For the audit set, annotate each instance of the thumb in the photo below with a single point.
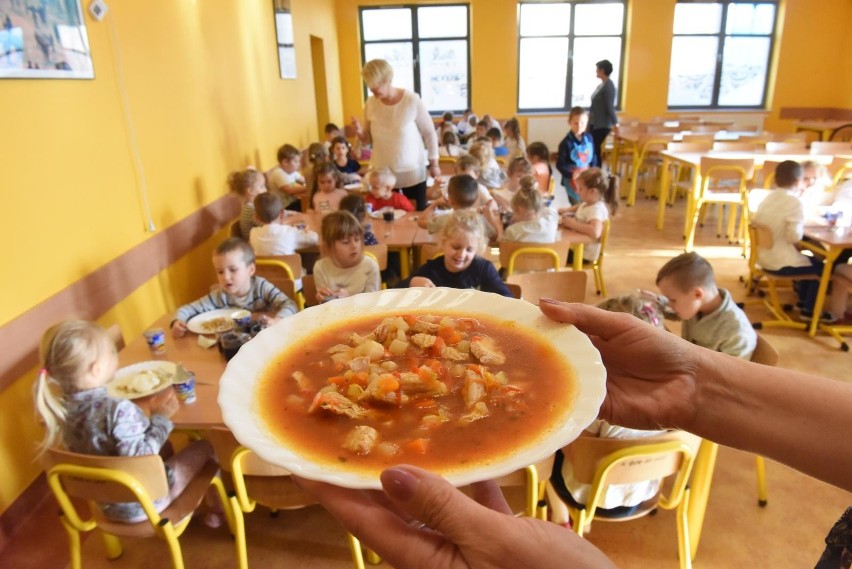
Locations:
(435, 502)
(588, 319)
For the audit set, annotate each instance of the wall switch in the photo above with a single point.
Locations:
(98, 9)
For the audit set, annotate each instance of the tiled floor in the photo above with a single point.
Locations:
(737, 533)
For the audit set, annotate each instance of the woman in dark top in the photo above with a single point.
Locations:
(461, 238)
(602, 117)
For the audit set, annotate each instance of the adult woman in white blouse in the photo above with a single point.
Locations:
(401, 131)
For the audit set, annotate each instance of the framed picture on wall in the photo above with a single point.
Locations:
(284, 36)
(44, 39)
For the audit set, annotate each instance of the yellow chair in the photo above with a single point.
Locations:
(533, 479)
(725, 183)
(601, 462)
(760, 237)
(646, 159)
(309, 291)
(379, 253)
(522, 256)
(738, 146)
(597, 264)
(447, 164)
(565, 286)
(786, 147)
(684, 186)
(766, 354)
(835, 147)
(254, 481)
(283, 271)
(73, 477)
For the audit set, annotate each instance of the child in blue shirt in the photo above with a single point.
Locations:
(576, 152)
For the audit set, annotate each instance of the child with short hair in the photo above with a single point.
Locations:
(346, 165)
(491, 174)
(517, 169)
(78, 359)
(331, 131)
(783, 213)
(539, 156)
(275, 237)
(238, 286)
(446, 125)
(620, 500)
(355, 204)
(462, 193)
(327, 190)
(464, 128)
(496, 138)
(450, 145)
(467, 164)
(576, 152)
(344, 270)
(599, 195)
(532, 221)
(513, 140)
(380, 183)
(710, 317)
(462, 239)
(247, 184)
(286, 178)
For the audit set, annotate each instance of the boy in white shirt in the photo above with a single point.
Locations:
(782, 211)
(274, 237)
(286, 178)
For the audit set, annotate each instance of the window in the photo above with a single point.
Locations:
(560, 42)
(720, 54)
(428, 48)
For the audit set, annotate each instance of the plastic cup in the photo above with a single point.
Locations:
(387, 214)
(230, 343)
(242, 318)
(185, 390)
(156, 338)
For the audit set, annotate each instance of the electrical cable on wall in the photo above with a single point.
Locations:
(131, 132)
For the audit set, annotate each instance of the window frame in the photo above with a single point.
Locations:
(415, 46)
(570, 65)
(721, 36)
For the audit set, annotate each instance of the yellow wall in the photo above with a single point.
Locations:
(814, 67)
(205, 98)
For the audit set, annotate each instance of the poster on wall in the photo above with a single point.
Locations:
(43, 39)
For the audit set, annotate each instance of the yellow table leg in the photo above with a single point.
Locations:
(702, 476)
(831, 255)
(664, 192)
(634, 177)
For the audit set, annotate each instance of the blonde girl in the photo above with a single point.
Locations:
(78, 359)
(344, 270)
(532, 221)
(327, 189)
(247, 184)
(462, 239)
(539, 156)
(513, 140)
(598, 200)
(491, 175)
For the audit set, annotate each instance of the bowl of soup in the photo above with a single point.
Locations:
(467, 384)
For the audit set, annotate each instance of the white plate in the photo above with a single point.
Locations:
(397, 213)
(353, 186)
(238, 384)
(126, 374)
(196, 323)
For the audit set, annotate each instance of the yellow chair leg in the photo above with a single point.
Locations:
(762, 494)
(355, 548)
(683, 549)
(74, 544)
(171, 538)
(112, 545)
(239, 526)
(373, 558)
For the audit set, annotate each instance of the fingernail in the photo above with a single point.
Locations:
(547, 301)
(399, 484)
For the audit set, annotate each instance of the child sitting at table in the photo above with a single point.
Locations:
(238, 286)
(461, 239)
(247, 184)
(513, 140)
(532, 221)
(78, 359)
(315, 154)
(344, 270)
(346, 165)
(462, 193)
(331, 131)
(496, 138)
(491, 175)
(355, 204)
(380, 184)
(620, 500)
(539, 157)
(710, 317)
(518, 168)
(782, 212)
(275, 237)
(599, 200)
(285, 177)
(327, 190)
(450, 145)
(576, 152)
(446, 125)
